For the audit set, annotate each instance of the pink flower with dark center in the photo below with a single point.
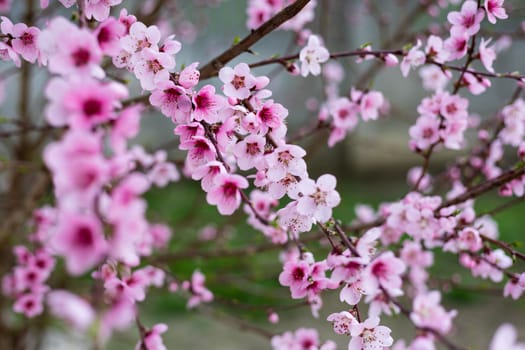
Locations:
(152, 339)
(344, 112)
(237, 81)
(317, 198)
(226, 194)
(495, 9)
(200, 151)
(457, 44)
(82, 103)
(370, 105)
(271, 115)
(285, 159)
(342, 322)
(383, 272)
(172, 100)
(207, 172)
(29, 304)
(207, 105)
(468, 19)
(425, 133)
(108, 35)
(295, 275)
(70, 50)
(291, 220)
(25, 41)
(140, 37)
(152, 67)
(249, 151)
(80, 239)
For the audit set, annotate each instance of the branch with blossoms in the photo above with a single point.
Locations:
(87, 225)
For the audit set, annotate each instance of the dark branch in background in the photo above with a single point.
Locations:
(212, 68)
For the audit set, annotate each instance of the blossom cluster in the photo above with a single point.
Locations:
(236, 143)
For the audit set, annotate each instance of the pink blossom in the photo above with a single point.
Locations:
(425, 132)
(317, 198)
(312, 55)
(226, 194)
(140, 37)
(199, 293)
(82, 103)
(271, 115)
(428, 312)
(414, 58)
(291, 220)
(434, 79)
(506, 338)
(29, 304)
(249, 151)
(384, 272)
(189, 76)
(152, 67)
(108, 34)
(25, 41)
(342, 322)
(237, 81)
(99, 9)
(172, 100)
(344, 113)
(369, 335)
(457, 44)
(207, 105)
(295, 275)
(487, 55)
(163, 173)
(79, 238)
(468, 19)
(74, 310)
(285, 159)
(370, 105)
(70, 50)
(152, 339)
(495, 9)
(200, 151)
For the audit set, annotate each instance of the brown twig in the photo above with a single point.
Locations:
(212, 68)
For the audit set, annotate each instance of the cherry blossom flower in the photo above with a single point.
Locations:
(468, 19)
(414, 58)
(249, 151)
(428, 312)
(487, 55)
(80, 240)
(199, 293)
(312, 55)
(506, 338)
(99, 9)
(237, 81)
(495, 9)
(226, 194)
(342, 322)
(152, 339)
(369, 335)
(317, 198)
(74, 310)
